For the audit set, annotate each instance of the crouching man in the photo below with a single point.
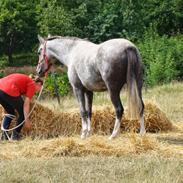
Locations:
(12, 88)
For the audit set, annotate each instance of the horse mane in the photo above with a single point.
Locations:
(66, 37)
(53, 37)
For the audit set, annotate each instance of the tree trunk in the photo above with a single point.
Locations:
(10, 51)
(10, 58)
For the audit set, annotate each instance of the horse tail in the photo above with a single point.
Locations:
(134, 83)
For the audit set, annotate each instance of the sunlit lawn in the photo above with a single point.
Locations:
(143, 167)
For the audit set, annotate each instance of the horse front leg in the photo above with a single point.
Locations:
(81, 100)
(89, 100)
(142, 126)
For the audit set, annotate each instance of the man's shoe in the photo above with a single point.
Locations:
(4, 136)
(15, 136)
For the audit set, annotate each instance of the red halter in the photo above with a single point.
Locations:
(45, 57)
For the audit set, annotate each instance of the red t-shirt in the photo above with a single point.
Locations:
(18, 84)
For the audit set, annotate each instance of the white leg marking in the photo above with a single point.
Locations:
(84, 129)
(116, 129)
(89, 127)
(142, 127)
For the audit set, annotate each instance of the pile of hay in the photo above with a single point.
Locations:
(74, 146)
(47, 123)
(125, 144)
(155, 120)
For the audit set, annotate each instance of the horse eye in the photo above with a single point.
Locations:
(39, 51)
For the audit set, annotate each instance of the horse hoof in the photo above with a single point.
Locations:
(84, 134)
(142, 132)
(112, 137)
(88, 133)
(83, 137)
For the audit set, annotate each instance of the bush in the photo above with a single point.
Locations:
(24, 59)
(162, 57)
(57, 83)
(19, 60)
(3, 62)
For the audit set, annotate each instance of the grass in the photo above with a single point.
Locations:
(143, 168)
(149, 166)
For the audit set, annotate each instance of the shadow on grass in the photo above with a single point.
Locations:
(172, 140)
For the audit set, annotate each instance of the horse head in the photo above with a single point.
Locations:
(43, 64)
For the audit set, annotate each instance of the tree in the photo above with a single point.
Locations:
(66, 17)
(54, 19)
(17, 26)
(117, 18)
(166, 15)
(108, 23)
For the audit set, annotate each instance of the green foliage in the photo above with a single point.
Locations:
(162, 57)
(24, 59)
(1, 74)
(17, 26)
(83, 13)
(118, 18)
(167, 15)
(107, 24)
(54, 19)
(3, 62)
(57, 82)
(97, 20)
(19, 60)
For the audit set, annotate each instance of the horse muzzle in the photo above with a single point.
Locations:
(40, 72)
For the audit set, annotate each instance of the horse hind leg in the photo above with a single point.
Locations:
(142, 127)
(89, 100)
(115, 98)
(141, 115)
(141, 112)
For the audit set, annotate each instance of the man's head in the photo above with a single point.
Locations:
(39, 83)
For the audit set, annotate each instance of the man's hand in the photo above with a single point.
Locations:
(28, 124)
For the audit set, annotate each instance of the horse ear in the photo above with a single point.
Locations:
(49, 35)
(41, 40)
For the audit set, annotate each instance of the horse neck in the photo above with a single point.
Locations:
(60, 49)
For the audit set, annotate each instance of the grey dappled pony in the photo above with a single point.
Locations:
(97, 67)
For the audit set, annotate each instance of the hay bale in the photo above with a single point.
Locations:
(48, 123)
(155, 120)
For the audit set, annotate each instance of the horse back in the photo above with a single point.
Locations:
(96, 65)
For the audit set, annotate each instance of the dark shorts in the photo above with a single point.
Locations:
(12, 104)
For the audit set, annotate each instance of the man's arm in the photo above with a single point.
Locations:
(27, 102)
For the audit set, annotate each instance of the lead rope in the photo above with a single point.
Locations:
(13, 116)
